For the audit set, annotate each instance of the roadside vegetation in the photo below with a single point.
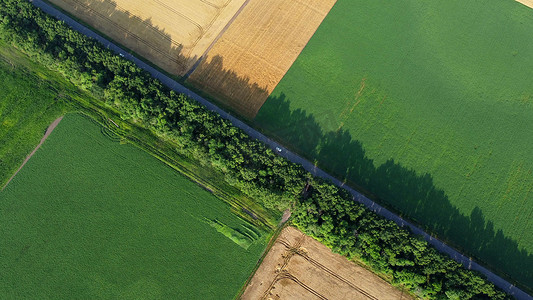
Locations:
(26, 117)
(323, 211)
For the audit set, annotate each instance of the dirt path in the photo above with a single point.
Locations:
(285, 217)
(46, 134)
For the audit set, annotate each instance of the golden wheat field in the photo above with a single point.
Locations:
(299, 267)
(256, 51)
(172, 34)
(526, 2)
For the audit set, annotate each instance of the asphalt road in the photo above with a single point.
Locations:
(466, 261)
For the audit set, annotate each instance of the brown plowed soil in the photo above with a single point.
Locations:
(253, 55)
(172, 34)
(299, 267)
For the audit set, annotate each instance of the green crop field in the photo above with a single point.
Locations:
(427, 106)
(89, 217)
(27, 107)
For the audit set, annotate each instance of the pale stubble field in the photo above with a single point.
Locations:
(526, 2)
(171, 34)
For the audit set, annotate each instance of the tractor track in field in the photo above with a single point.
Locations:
(299, 267)
(296, 250)
(466, 261)
(49, 130)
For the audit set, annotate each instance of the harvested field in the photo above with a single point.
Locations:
(299, 267)
(252, 56)
(171, 34)
(526, 2)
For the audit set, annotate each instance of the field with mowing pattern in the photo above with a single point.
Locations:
(89, 217)
(428, 106)
(171, 34)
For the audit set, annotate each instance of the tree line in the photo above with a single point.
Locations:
(323, 211)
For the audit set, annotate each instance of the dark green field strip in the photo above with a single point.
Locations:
(89, 217)
(428, 106)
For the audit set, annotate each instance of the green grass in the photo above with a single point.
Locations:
(35, 96)
(27, 107)
(428, 106)
(150, 235)
(88, 217)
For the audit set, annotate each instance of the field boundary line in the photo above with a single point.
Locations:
(201, 58)
(273, 240)
(358, 197)
(49, 130)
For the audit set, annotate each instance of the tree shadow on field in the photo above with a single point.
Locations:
(337, 152)
(132, 32)
(211, 77)
(399, 188)
(235, 92)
